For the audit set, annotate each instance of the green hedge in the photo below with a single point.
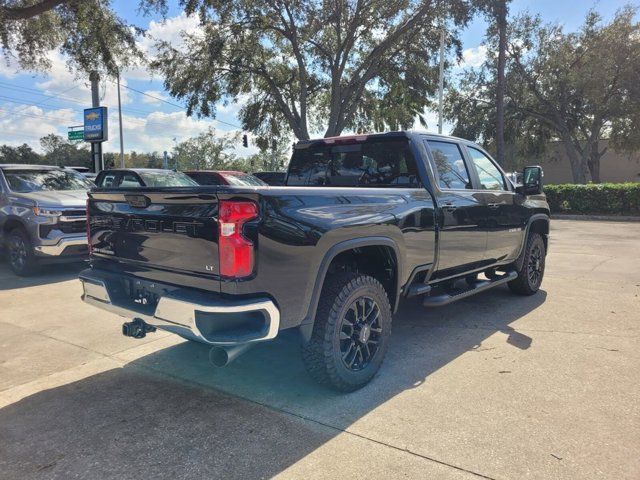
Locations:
(595, 198)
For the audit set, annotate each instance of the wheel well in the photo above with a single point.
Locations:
(541, 226)
(11, 224)
(377, 261)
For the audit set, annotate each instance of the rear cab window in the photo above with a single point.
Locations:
(375, 162)
(129, 180)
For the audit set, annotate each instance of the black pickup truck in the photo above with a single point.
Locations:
(363, 222)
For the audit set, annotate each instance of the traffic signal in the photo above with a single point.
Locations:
(245, 141)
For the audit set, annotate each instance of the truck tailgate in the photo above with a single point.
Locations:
(156, 228)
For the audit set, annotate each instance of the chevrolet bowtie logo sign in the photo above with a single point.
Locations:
(95, 124)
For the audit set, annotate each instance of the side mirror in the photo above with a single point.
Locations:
(531, 181)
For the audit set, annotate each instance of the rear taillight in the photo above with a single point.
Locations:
(88, 228)
(236, 251)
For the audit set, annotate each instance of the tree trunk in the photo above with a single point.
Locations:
(594, 164)
(501, 22)
(578, 167)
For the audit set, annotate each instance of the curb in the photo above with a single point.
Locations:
(598, 218)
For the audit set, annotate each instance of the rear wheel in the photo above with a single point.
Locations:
(351, 332)
(531, 272)
(20, 254)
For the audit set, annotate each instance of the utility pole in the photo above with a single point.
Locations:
(441, 81)
(120, 122)
(96, 147)
(165, 160)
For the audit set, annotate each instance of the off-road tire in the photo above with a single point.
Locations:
(535, 253)
(322, 355)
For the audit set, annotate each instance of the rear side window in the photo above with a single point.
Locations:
(374, 163)
(450, 167)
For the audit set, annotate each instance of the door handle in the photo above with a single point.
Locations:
(493, 206)
(449, 206)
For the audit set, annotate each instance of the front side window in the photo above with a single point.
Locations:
(450, 167)
(372, 163)
(490, 177)
(32, 180)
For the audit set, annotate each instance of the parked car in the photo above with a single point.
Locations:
(224, 177)
(142, 177)
(79, 169)
(364, 222)
(271, 178)
(42, 215)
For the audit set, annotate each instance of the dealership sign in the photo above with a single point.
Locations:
(95, 124)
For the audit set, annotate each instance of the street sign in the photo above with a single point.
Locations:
(75, 135)
(95, 124)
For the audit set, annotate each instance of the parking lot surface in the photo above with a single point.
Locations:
(495, 386)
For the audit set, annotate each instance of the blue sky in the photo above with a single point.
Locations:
(33, 105)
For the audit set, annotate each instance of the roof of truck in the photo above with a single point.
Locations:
(364, 136)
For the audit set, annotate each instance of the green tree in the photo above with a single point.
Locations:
(270, 159)
(576, 88)
(59, 151)
(91, 35)
(140, 160)
(497, 13)
(307, 65)
(22, 154)
(208, 151)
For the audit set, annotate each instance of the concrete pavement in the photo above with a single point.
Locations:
(495, 386)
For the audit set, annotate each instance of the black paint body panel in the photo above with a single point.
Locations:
(174, 239)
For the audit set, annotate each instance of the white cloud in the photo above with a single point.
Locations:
(59, 79)
(474, 57)
(20, 125)
(157, 131)
(232, 108)
(169, 30)
(8, 69)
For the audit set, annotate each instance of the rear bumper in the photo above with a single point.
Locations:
(76, 245)
(192, 314)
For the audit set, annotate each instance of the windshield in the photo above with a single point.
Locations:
(243, 180)
(166, 179)
(24, 181)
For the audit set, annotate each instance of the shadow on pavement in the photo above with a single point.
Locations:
(135, 423)
(51, 273)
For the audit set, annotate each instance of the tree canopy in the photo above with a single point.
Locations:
(306, 66)
(577, 88)
(88, 32)
(57, 151)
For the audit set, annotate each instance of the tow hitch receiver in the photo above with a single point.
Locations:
(137, 328)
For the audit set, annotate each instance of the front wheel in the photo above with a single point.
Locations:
(531, 271)
(351, 332)
(20, 254)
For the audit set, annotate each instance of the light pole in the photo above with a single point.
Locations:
(120, 121)
(441, 81)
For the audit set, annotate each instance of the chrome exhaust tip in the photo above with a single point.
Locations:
(223, 356)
